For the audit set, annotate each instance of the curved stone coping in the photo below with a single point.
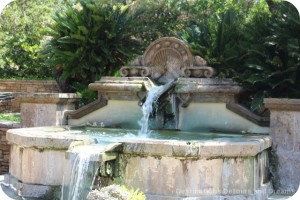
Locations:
(91, 107)
(214, 148)
(46, 98)
(60, 138)
(45, 137)
(247, 114)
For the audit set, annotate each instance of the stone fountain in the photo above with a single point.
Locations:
(233, 164)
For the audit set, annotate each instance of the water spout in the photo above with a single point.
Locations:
(147, 107)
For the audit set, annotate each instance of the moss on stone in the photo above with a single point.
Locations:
(42, 149)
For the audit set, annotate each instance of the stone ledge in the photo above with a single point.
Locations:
(28, 86)
(282, 104)
(214, 148)
(9, 124)
(31, 190)
(121, 84)
(44, 137)
(46, 98)
(104, 153)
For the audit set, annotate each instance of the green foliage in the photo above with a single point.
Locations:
(87, 95)
(21, 32)
(256, 43)
(213, 29)
(156, 19)
(257, 48)
(10, 117)
(91, 39)
(271, 66)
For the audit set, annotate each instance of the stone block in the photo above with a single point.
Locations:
(46, 109)
(285, 133)
(38, 115)
(202, 178)
(35, 166)
(282, 129)
(31, 190)
(288, 170)
(297, 132)
(174, 176)
(238, 176)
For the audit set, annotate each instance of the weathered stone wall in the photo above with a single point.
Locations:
(4, 146)
(5, 105)
(18, 88)
(28, 86)
(285, 133)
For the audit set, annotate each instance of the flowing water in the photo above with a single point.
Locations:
(84, 170)
(78, 181)
(147, 108)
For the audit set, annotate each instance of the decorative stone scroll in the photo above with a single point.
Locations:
(167, 59)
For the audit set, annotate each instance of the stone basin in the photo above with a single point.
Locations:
(220, 167)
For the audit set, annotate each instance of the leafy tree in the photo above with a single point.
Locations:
(256, 47)
(213, 30)
(22, 27)
(271, 67)
(90, 39)
(156, 19)
(254, 42)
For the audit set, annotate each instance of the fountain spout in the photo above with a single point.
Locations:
(165, 89)
(153, 106)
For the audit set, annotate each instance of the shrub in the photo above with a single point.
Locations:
(22, 27)
(90, 39)
(257, 48)
(271, 65)
(156, 19)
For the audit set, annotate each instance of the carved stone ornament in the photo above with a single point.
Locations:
(167, 59)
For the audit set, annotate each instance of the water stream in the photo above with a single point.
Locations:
(82, 174)
(78, 182)
(147, 108)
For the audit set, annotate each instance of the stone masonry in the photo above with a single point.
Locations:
(4, 146)
(5, 103)
(28, 86)
(285, 133)
(18, 88)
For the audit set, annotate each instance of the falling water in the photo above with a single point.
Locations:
(81, 177)
(147, 108)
